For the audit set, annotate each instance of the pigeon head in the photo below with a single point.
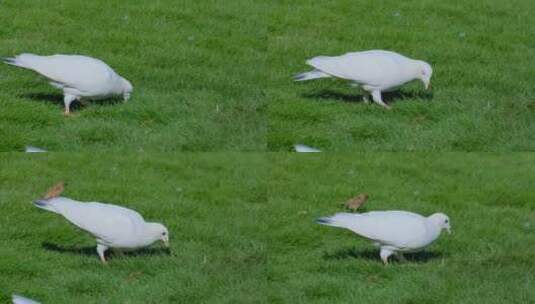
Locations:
(424, 73)
(158, 232)
(127, 89)
(441, 220)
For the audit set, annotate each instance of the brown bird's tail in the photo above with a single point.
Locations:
(55, 190)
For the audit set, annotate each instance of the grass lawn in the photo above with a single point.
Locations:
(211, 204)
(482, 96)
(487, 259)
(196, 67)
(242, 228)
(217, 76)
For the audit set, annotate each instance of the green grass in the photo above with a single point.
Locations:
(211, 204)
(242, 228)
(195, 66)
(487, 259)
(217, 76)
(482, 96)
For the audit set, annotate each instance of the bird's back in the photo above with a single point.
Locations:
(397, 228)
(110, 223)
(86, 74)
(375, 68)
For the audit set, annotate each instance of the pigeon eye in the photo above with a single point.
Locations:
(164, 233)
(447, 221)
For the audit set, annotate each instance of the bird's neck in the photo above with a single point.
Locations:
(433, 230)
(148, 235)
(415, 70)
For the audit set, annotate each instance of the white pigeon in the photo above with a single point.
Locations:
(374, 71)
(32, 149)
(394, 232)
(22, 300)
(80, 77)
(112, 226)
(305, 149)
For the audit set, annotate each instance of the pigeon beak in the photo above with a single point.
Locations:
(448, 229)
(166, 243)
(427, 85)
(40, 202)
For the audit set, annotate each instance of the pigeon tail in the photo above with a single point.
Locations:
(311, 75)
(341, 220)
(45, 204)
(305, 149)
(17, 299)
(324, 221)
(23, 60)
(32, 149)
(8, 60)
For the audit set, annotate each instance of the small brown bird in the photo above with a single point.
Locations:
(55, 191)
(356, 202)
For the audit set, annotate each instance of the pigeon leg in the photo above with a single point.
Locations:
(118, 252)
(83, 102)
(366, 97)
(401, 257)
(67, 100)
(385, 253)
(376, 95)
(101, 249)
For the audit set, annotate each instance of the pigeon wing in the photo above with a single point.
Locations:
(107, 222)
(373, 68)
(397, 228)
(83, 73)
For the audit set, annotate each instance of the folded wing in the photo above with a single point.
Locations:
(373, 68)
(107, 222)
(396, 228)
(86, 74)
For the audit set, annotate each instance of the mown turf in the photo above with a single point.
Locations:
(482, 95)
(487, 259)
(212, 75)
(211, 204)
(196, 67)
(242, 228)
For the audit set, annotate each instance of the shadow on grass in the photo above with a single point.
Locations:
(92, 250)
(388, 97)
(344, 208)
(54, 98)
(373, 254)
(57, 99)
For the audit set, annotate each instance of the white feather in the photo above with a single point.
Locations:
(112, 226)
(394, 230)
(305, 149)
(374, 71)
(31, 149)
(78, 76)
(22, 300)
